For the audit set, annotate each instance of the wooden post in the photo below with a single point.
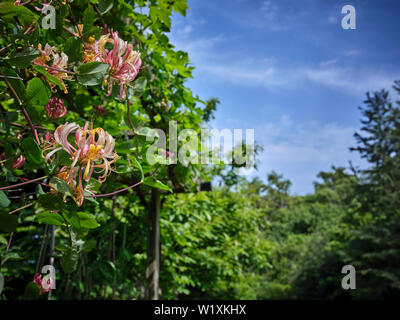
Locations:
(153, 246)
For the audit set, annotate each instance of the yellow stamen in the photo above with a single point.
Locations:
(87, 169)
(94, 151)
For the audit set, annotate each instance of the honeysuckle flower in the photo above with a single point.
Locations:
(93, 149)
(58, 65)
(124, 62)
(39, 281)
(55, 108)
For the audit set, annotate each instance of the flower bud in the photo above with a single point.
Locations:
(100, 109)
(18, 162)
(55, 108)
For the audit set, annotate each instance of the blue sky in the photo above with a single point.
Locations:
(287, 69)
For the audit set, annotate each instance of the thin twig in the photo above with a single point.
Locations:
(55, 69)
(7, 248)
(22, 208)
(41, 183)
(11, 77)
(42, 249)
(69, 31)
(113, 193)
(22, 183)
(99, 13)
(22, 108)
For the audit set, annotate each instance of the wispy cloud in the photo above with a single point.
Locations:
(269, 10)
(209, 57)
(185, 31)
(328, 62)
(352, 53)
(270, 73)
(301, 150)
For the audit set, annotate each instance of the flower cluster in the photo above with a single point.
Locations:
(55, 108)
(124, 62)
(93, 149)
(58, 65)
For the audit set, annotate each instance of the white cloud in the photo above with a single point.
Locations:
(301, 150)
(352, 53)
(271, 74)
(348, 79)
(185, 31)
(269, 10)
(328, 62)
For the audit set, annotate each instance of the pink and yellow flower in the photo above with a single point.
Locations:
(58, 65)
(124, 62)
(93, 149)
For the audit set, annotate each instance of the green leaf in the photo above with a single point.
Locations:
(37, 92)
(51, 218)
(8, 11)
(13, 256)
(9, 175)
(136, 164)
(35, 113)
(153, 182)
(69, 260)
(89, 245)
(62, 158)
(73, 48)
(51, 201)
(82, 220)
(8, 222)
(88, 198)
(87, 220)
(4, 201)
(61, 186)
(89, 17)
(24, 58)
(181, 6)
(32, 150)
(3, 240)
(32, 291)
(139, 86)
(105, 5)
(92, 73)
(49, 77)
